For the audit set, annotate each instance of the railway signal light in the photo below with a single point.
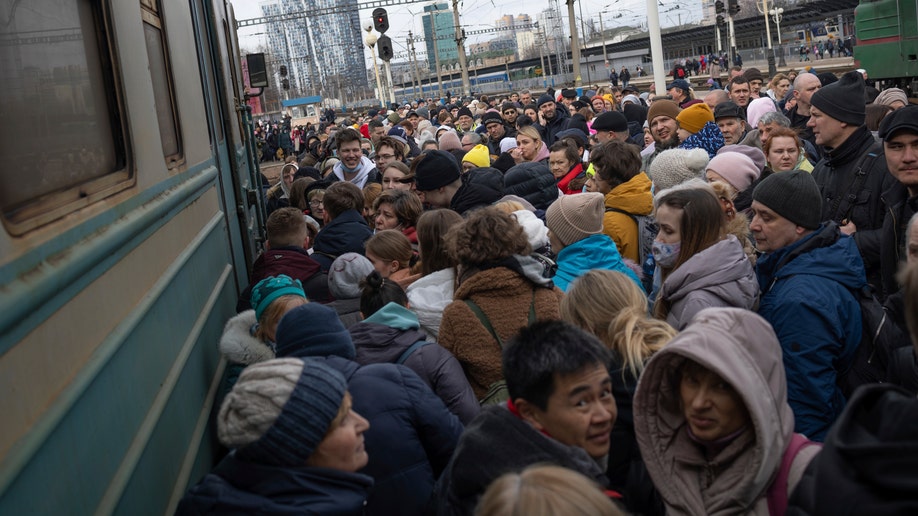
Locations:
(285, 84)
(720, 19)
(384, 44)
(734, 6)
(719, 6)
(380, 20)
(283, 70)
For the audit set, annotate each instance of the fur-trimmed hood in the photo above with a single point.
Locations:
(239, 345)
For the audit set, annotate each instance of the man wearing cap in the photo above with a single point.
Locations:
(440, 185)
(465, 120)
(551, 119)
(568, 96)
(732, 123)
(680, 91)
(805, 85)
(611, 125)
(852, 175)
(663, 128)
(808, 274)
(899, 132)
(755, 78)
(497, 130)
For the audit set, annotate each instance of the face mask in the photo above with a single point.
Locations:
(666, 254)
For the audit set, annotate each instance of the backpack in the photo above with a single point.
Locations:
(779, 489)
(411, 349)
(880, 336)
(497, 391)
(647, 230)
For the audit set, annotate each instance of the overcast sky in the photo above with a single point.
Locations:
(474, 15)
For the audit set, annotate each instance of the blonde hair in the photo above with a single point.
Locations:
(272, 315)
(611, 306)
(545, 490)
(509, 206)
(530, 132)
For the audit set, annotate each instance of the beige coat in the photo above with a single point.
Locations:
(742, 348)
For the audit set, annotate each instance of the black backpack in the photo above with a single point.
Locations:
(880, 337)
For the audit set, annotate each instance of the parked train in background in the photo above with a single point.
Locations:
(130, 216)
(887, 41)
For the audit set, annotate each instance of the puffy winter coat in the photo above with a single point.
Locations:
(239, 487)
(386, 335)
(294, 262)
(634, 197)
(345, 234)
(720, 275)
(807, 297)
(240, 348)
(532, 181)
(708, 138)
(743, 350)
(428, 297)
(504, 295)
(593, 252)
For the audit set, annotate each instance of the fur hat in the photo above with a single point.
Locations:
(793, 195)
(269, 289)
(435, 169)
(572, 218)
(345, 274)
(662, 107)
(737, 169)
(693, 118)
(478, 156)
(313, 330)
(280, 410)
(843, 100)
(674, 166)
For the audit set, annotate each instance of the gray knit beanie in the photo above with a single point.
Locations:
(572, 218)
(345, 274)
(793, 195)
(674, 166)
(280, 410)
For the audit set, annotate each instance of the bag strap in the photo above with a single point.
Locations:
(844, 204)
(778, 490)
(411, 349)
(479, 313)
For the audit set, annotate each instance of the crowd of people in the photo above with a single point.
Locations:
(598, 302)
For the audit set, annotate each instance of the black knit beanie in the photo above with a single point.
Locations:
(843, 100)
(793, 195)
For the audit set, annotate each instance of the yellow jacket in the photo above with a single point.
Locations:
(635, 198)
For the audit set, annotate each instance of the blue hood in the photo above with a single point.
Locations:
(395, 316)
(593, 252)
(708, 138)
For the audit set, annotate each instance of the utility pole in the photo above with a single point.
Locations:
(460, 46)
(575, 43)
(414, 58)
(656, 47)
(433, 30)
(602, 30)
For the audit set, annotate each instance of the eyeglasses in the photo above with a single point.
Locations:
(510, 112)
(315, 203)
(385, 156)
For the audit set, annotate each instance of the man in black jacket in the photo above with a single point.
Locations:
(899, 132)
(497, 130)
(852, 175)
(552, 119)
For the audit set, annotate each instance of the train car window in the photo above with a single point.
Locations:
(208, 63)
(62, 133)
(163, 88)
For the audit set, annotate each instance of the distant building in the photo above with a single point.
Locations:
(439, 30)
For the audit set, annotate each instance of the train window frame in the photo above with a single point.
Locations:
(24, 216)
(152, 17)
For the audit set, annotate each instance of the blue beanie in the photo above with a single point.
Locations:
(267, 290)
(280, 410)
(313, 330)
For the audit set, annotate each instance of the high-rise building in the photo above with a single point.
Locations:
(439, 29)
(321, 52)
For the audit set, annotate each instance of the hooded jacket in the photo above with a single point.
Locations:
(480, 187)
(239, 487)
(743, 350)
(495, 443)
(634, 197)
(428, 297)
(720, 275)
(240, 348)
(346, 233)
(532, 181)
(366, 173)
(294, 262)
(593, 252)
(708, 138)
(560, 122)
(807, 297)
(869, 464)
(504, 293)
(386, 335)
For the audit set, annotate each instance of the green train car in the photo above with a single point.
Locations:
(887, 40)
